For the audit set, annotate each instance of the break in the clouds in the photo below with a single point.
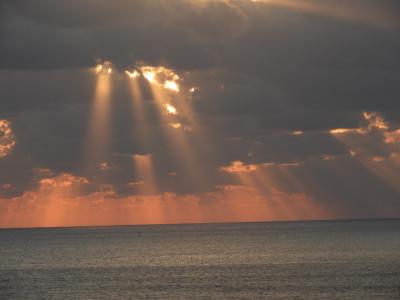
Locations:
(117, 112)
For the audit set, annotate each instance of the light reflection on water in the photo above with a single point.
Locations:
(310, 260)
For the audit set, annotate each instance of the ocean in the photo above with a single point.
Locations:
(282, 260)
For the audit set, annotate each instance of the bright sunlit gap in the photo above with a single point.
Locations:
(162, 77)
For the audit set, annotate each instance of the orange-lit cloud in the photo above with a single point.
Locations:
(386, 168)
(374, 121)
(240, 167)
(132, 74)
(376, 126)
(171, 109)
(392, 137)
(59, 201)
(162, 77)
(177, 125)
(193, 90)
(105, 67)
(298, 132)
(7, 139)
(338, 131)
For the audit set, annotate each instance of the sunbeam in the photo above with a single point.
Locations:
(145, 174)
(176, 133)
(263, 182)
(99, 121)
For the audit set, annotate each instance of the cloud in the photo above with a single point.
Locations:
(392, 137)
(304, 96)
(7, 139)
(52, 204)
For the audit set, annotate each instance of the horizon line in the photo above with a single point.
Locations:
(208, 223)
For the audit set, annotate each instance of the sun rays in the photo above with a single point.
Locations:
(177, 122)
(271, 182)
(251, 191)
(277, 188)
(99, 121)
(139, 112)
(145, 174)
(375, 146)
(181, 130)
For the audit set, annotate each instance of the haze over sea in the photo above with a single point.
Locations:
(285, 260)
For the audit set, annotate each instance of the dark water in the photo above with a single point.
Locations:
(300, 260)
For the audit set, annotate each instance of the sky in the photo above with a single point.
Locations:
(186, 111)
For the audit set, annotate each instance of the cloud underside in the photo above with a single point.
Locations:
(195, 111)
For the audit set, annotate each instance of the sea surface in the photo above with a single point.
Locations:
(286, 260)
